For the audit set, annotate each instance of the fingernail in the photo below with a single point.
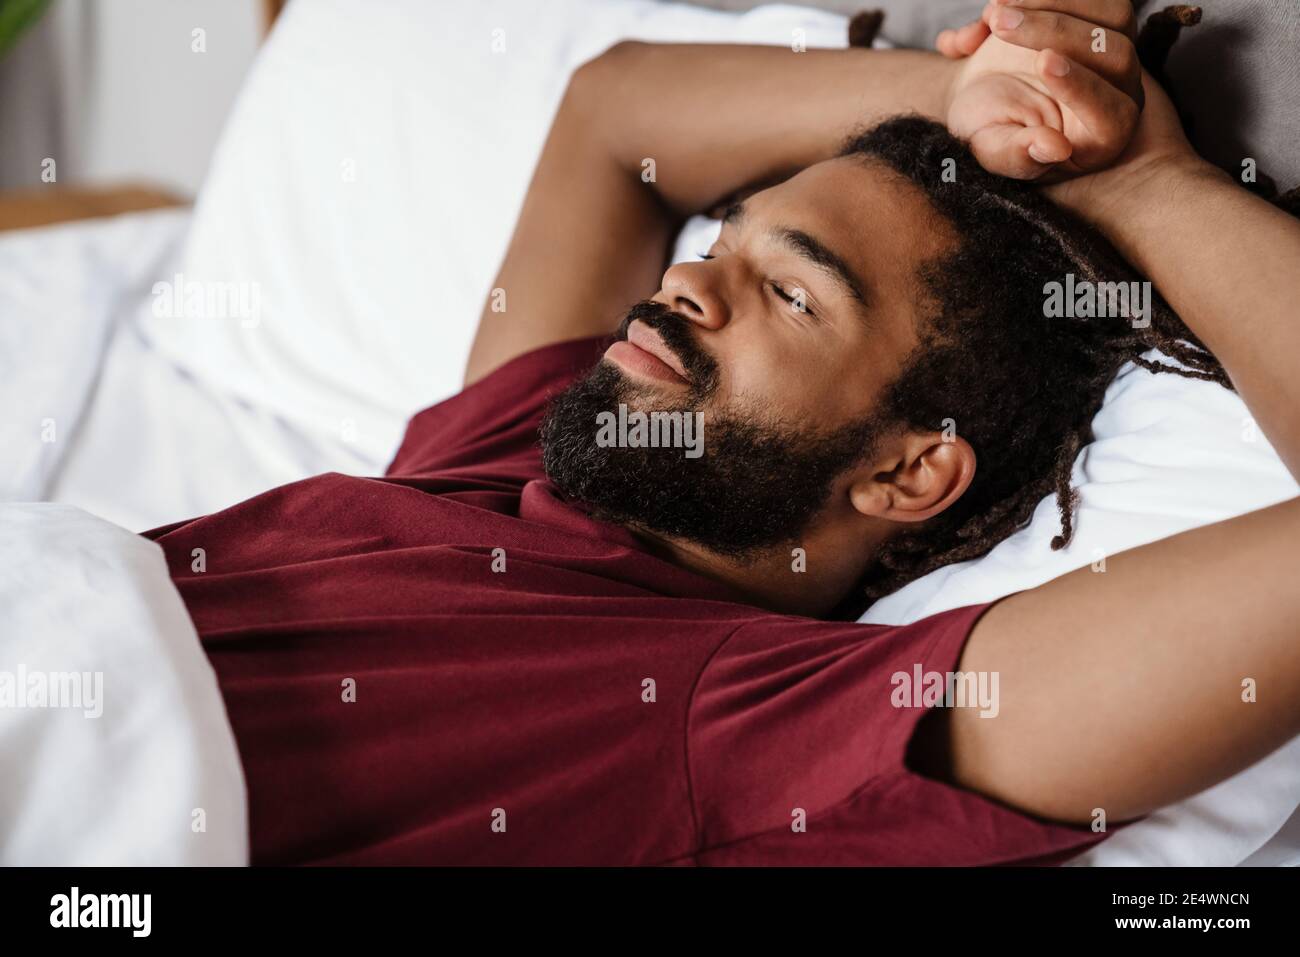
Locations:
(1057, 65)
(1036, 155)
(1008, 19)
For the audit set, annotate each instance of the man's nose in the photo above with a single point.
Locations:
(695, 290)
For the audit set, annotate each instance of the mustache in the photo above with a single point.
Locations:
(677, 333)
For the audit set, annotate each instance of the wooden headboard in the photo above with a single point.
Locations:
(271, 9)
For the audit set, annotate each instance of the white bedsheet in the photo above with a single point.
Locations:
(62, 291)
(92, 415)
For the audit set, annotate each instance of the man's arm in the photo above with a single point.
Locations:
(1229, 264)
(648, 134)
(593, 235)
(1123, 689)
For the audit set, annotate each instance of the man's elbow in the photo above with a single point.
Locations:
(602, 69)
(601, 77)
(619, 53)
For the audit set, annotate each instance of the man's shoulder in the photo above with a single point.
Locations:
(496, 416)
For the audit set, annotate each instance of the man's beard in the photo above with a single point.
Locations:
(757, 485)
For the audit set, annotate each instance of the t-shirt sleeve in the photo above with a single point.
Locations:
(797, 738)
(492, 424)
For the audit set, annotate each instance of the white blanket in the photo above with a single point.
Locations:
(115, 748)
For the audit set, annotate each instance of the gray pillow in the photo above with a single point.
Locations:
(1235, 76)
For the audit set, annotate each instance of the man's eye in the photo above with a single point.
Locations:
(797, 299)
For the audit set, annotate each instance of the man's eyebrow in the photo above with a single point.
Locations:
(810, 249)
(816, 253)
(734, 213)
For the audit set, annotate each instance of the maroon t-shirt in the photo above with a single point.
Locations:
(452, 665)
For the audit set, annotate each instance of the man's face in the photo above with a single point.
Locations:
(783, 339)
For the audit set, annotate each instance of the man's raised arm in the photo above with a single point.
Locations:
(1124, 690)
(648, 134)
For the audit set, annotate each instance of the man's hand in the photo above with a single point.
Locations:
(1049, 87)
(1157, 155)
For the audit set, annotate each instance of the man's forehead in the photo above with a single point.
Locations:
(867, 213)
(839, 185)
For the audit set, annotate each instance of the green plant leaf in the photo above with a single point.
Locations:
(15, 17)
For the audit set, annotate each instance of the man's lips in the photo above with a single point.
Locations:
(643, 337)
(645, 352)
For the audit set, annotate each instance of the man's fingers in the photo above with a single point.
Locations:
(944, 44)
(1109, 115)
(1108, 52)
(963, 41)
(1020, 152)
(1114, 14)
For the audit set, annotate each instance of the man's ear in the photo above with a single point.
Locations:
(915, 476)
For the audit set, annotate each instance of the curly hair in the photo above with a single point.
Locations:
(1022, 387)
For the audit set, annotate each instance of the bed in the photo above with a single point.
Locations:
(362, 203)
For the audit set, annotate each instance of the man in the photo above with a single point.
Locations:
(590, 651)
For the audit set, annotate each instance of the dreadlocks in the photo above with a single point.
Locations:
(1040, 381)
(1022, 387)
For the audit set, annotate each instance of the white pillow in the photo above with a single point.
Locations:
(368, 182)
(1169, 454)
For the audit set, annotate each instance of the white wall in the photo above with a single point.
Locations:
(113, 91)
